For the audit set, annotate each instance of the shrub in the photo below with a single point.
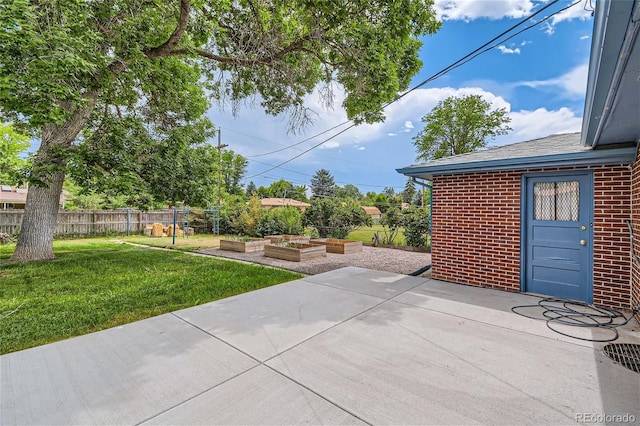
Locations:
(249, 218)
(241, 218)
(416, 222)
(229, 214)
(331, 219)
(319, 215)
(281, 220)
(391, 221)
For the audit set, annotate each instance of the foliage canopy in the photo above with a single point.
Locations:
(459, 125)
(323, 184)
(12, 144)
(104, 73)
(332, 219)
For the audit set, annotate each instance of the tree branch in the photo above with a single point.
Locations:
(264, 60)
(168, 46)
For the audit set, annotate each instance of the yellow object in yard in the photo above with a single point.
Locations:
(157, 230)
(179, 232)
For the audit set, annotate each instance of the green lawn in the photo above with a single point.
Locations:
(193, 242)
(365, 235)
(96, 284)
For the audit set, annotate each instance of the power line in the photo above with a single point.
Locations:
(475, 53)
(440, 73)
(304, 152)
(470, 56)
(513, 35)
(295, 144)
(271, 165)
(302, 141)
(306, 183)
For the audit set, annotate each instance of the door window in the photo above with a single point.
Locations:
(556, 201)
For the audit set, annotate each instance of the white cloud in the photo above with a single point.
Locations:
(529, 125)
(524, 43)
(580, 11)
(407, 127)
(573, 84)
(401, 115)
(330, 145)
(506, 50)
(585, 37)
(468, 10)
(400, 120)
(549, 29)
(272, 134)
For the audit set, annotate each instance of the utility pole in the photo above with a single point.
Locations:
(219, 148)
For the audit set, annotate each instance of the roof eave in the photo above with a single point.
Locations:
(608, 157)
(609, 54)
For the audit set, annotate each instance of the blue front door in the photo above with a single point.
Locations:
(557, 235)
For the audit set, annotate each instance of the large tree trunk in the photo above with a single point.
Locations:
(35, 241)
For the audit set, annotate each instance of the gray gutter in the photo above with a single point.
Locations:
(609, 56)
(591, 158)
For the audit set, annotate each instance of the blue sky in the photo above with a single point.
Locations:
(539, 76)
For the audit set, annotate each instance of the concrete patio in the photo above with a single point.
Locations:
(351, 346)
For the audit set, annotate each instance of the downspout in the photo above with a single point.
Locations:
(635, 260)
(428, 186)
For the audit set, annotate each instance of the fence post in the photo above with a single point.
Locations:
(128, 222)
(175, 222)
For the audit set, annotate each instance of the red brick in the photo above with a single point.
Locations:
(476, 231)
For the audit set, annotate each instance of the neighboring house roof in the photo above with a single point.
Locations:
(281, 202)
(613, 84)
(10, 194)
(371, 210)
(552, 151)
(13, 197)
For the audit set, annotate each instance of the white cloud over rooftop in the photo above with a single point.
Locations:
(473, 9)
(573, 83)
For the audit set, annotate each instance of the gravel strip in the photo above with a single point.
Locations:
(376, 258)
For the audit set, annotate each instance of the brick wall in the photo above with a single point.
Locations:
(635, 214)
(476, 231)
(611, 267)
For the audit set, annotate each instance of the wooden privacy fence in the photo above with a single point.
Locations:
(92, 222)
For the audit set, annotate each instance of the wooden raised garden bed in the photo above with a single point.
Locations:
(288, 239)
(245, 245)
(335, 245)
(296, 252)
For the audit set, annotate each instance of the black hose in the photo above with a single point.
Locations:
(420, 271)
(557, 311)
(580, 314)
